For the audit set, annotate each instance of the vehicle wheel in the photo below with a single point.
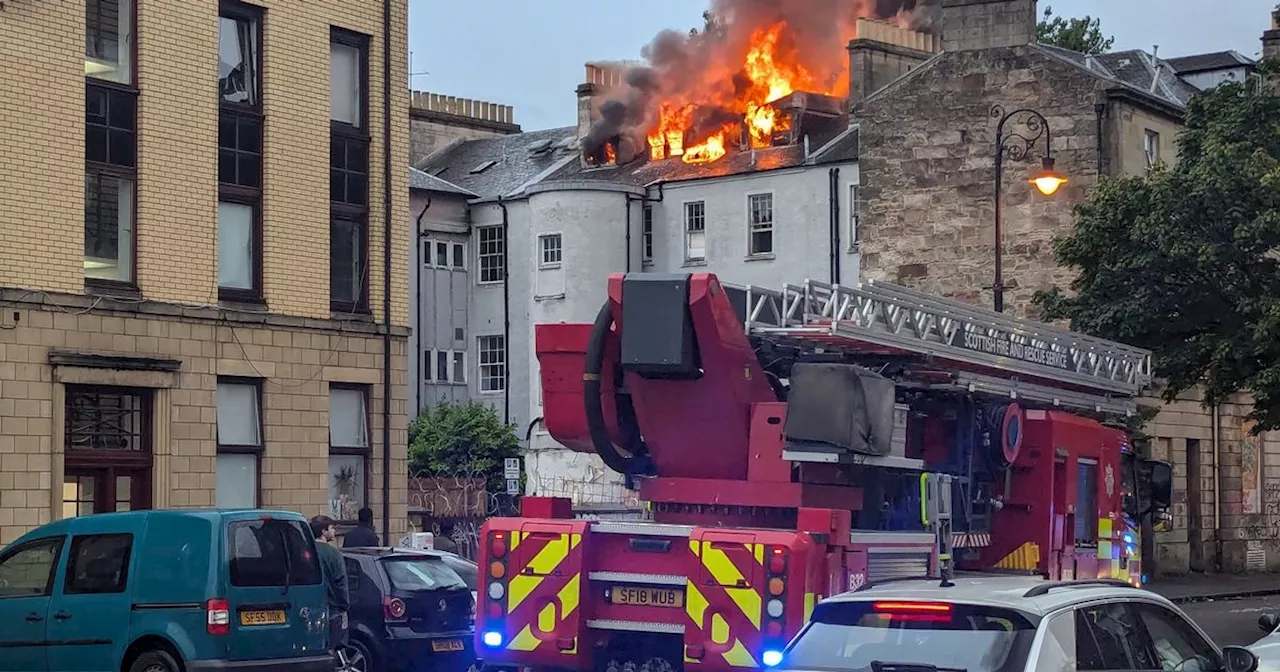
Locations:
(155, 661)
(358, 657)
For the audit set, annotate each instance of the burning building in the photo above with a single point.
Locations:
(748, 80)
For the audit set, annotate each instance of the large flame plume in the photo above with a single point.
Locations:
(703, 92)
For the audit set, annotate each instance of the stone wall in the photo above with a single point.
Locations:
(928, 173)
(436, 121)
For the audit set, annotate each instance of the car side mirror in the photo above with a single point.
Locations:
(1162, 521)
(1268, 622)
(1239, 659)
(1161, 479)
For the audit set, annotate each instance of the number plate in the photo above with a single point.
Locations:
(446, 645)
(272, 617)
(648, 597)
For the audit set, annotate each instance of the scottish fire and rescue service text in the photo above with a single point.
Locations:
(1004, 347)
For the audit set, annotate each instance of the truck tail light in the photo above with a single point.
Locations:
(393, 609)
(777, 560)
(218, 616)
(497, 545)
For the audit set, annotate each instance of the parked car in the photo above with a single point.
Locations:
(165, 591)
(1268, 647)
(1004, 624)
(466, 569)
(410, 610)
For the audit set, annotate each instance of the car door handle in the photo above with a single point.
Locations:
(62, 615)
(33, 617)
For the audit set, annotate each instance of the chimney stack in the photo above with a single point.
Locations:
(600, 78)
(1271, 38)
(969, 25)
(881, 52)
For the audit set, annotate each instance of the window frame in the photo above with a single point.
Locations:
(253, 112)
(58, 543)
(753, 227)
(480, 364)
(119, 172)
(133, 49)
(353, 451)
(855, 214)
(257, 451)
(429, 244)
(685, 223)
(1151, 154)
(646, 235)
(68, 582)
(345, 211)
(501, 254)
(542, 249)
(431, 372)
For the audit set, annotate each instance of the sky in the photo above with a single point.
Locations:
(530, 53)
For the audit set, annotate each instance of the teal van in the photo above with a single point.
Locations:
(165, 591)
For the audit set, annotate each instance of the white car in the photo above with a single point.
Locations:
(1268, 648)
(1003, 624)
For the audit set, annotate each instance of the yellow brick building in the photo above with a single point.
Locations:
(185, 319)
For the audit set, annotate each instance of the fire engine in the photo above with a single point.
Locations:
(795, 444)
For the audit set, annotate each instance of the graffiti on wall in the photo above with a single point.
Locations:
(1250, 468)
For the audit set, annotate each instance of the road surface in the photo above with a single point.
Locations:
(1232, 621)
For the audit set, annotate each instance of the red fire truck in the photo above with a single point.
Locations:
(795, 444)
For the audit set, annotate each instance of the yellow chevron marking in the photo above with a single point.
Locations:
(695, 546)
(515, 540)
(695, 605)
(1024, 557)
(520, 586)
(739, 656)
(748, 600)
(547, 618)
(550, 556)
(574, 540)
(719, 629)
(569, 596)
(759, 549)
(809, 601)
(726, 574)
(525, 641)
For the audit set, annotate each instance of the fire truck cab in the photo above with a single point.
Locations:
(796, 444)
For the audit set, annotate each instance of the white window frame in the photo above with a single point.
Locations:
(458, 372)
(428, 366)
(855, 212)
(482, 377)
(454, 374)
(688, 233)
(545, 246)
(646, 235)
(481, 255)
(1151, 147)
(448, 365)
(430, 244)
(457, 262)
(235, 451)
(753, 228)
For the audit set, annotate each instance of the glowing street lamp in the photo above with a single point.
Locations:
(1031, 127)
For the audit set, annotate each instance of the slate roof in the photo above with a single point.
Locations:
(429, 182)
(1133, 69)
(501, 164)
(1219, 60)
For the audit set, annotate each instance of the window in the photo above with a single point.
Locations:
(550, 250)
(108, 40)
(855, 210)
(444, 255)
(493, 364)
(348, 450)
(1058, 650)
(240, 152)
(348, 172)
(1178, 646)
(646, 236)
(442, 366)
(419, 574)
(1108, 637)
(445, 366)
(1151, 146)
(98, 564)
(759, 224)
(271, 552)
(110, 175)
(695, 231)
(492, 250)
(459, 367)
(1086, 503)
(426, 365)
(27, 571)
(239, 442)
(459, 256)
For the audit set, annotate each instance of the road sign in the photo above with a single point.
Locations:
(513, 486)
(511, 469)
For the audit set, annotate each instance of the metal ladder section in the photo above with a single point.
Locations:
(893, 316)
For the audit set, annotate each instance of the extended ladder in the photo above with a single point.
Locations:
(998, 354)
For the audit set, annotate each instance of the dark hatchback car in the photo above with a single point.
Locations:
(410, 610)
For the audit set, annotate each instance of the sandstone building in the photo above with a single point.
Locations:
(178, 325)
(437, 121)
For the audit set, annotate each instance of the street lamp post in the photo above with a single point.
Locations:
(1015, 144)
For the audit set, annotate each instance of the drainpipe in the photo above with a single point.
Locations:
(627, 202)
(386, 272)
(834, 202)
(417, 304)
(1099, 109)
(1218, 499)
(506, 316)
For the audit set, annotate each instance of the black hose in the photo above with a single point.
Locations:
(591, 394)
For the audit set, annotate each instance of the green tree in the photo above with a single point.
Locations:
(1186, 261)
(1082, 35)
(462, 440)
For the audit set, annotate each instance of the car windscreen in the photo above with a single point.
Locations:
(466, 569)
(271, 552)
(415, 573)
(867, 636)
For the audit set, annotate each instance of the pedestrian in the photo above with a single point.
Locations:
(444, 540)
(362, 535)
(334, 569)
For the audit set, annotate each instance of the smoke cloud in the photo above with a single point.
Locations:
(704, 68)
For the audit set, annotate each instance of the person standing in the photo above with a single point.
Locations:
(334, 569)
(362, 535)
(444, 541)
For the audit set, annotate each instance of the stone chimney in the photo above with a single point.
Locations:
(881, 52)
(600, 78)
(968, 25)
(1271, 38)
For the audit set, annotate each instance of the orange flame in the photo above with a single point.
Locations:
(709, 150)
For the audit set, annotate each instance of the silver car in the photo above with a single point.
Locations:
(1003, 624)
(1268, 648)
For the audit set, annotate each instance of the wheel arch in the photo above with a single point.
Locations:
(150, 642)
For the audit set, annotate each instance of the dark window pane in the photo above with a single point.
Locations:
(337, 152)
(95, 108)
(250, 135)
(271, 552)
(357, 159)
(238, 60)
(109, 126)
(346, 261)
(121, 113)
(226, 130)
(101, 217)
(106, 419)
(98, 564)
(337, 186)
(95, 144)
(121, 148)
(249, 171)
(227, 167)
(356, 189)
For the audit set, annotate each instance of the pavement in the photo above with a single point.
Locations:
(1201, 587)
(1226, 606)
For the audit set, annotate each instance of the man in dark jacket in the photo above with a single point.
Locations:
(334, 569)
(363, 534)
(444, 541)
